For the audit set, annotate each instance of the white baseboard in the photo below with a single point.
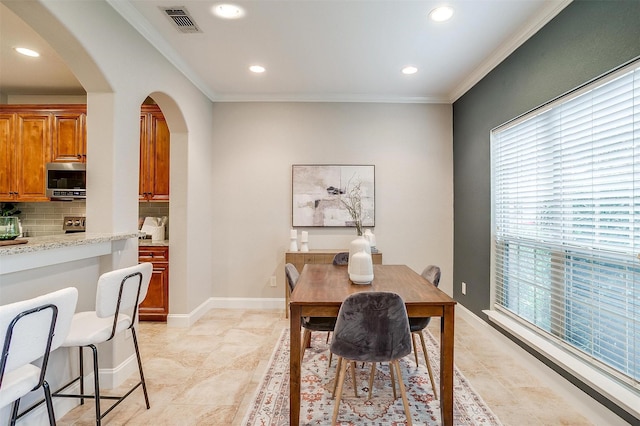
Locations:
(111, 378)
(187, 320)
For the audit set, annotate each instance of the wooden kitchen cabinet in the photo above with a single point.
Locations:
(25, 148)
(299, 259)
(155, 306)
(154, 155)
(69, 142)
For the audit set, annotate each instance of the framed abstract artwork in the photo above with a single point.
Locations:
(323, 193)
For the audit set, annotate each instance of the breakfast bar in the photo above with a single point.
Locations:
(46, 264)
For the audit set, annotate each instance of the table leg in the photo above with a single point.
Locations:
(294, 365)
(446, 364)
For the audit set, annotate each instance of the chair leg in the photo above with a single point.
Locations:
(14, 412)
(353, 375)
(96, 383)
(80, 349)
(393, 382)
(415, 347)
(395, 364)
(426, 358)
(306, 342)
(144, 384)
(340, 379)
(335, 382)
(49, 402)
(371, 375)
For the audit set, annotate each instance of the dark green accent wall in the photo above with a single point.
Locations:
(585, 40)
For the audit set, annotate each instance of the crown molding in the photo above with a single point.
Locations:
(507, 48)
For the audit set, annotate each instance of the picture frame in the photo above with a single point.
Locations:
(317, 190)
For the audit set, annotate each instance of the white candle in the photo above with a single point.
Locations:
(305, 237)
(294, 233)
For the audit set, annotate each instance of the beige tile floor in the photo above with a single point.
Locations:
(207, 374)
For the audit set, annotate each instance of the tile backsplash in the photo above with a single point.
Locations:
(42, 219)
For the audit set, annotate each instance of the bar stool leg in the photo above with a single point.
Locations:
(49, 402)
(144, 384)
(96, 383)
(80, 348)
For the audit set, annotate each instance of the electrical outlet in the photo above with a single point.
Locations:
(272, 281)
(464, 287)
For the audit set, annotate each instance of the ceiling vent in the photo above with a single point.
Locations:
(181, 19)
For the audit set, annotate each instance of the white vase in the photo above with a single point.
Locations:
(360, 263)
(361, 267)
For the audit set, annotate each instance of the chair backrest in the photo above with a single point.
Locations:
(122, 290)
(341, 258)
(372, 326)
(432, 274)
(30, 329)
(292, 275)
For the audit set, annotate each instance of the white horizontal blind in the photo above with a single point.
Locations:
(566, 221)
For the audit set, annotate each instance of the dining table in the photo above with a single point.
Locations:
(320, 291)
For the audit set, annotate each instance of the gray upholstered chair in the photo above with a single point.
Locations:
(432, 274)
(371, 327)
(341, 258)
(308, 323)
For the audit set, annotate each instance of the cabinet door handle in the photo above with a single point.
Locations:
(79, 156)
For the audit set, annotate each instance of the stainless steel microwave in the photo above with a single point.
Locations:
(66, 180)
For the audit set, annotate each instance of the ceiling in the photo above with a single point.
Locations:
(313, 50)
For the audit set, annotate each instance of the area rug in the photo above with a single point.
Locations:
(270, 405)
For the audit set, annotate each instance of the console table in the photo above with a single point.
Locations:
(301, 258)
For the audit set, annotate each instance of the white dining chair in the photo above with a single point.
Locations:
(30, 330)
(118, 296)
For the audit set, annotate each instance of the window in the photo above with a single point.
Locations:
(566, 222)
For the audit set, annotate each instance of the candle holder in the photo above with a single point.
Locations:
(293, 246)
(304, 241)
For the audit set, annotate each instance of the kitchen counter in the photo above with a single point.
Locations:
(56, 249)
(151, 243)
(62, 240)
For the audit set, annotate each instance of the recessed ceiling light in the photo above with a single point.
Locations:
(257, 69)
(441, 14)
(409, 70)
(27, 52)
(228, 11)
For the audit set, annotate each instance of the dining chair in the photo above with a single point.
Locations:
(371, 327)
(30, 330)
(432, 274)
(341, 258)
(309, 324)
(118, 295)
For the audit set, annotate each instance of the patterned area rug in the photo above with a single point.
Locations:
(270, 406)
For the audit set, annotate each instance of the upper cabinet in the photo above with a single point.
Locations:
(154, 155)
(69, 142)
(25, 149)
(31, 137)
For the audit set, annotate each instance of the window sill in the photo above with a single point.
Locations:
(622, 396)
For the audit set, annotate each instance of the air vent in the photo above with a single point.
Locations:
(181, 19)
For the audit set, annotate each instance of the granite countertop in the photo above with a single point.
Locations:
(147, 242)
(35, 244)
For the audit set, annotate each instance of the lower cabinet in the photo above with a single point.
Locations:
(155, 306)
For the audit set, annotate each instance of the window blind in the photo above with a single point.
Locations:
(566, 222)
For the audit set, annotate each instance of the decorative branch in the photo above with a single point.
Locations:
(352, 201)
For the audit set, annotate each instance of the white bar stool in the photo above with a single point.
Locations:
(30, 330)
(118, 295)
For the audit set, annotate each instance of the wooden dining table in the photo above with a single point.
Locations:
(322, 288)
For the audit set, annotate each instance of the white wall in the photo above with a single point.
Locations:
(255, 145)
